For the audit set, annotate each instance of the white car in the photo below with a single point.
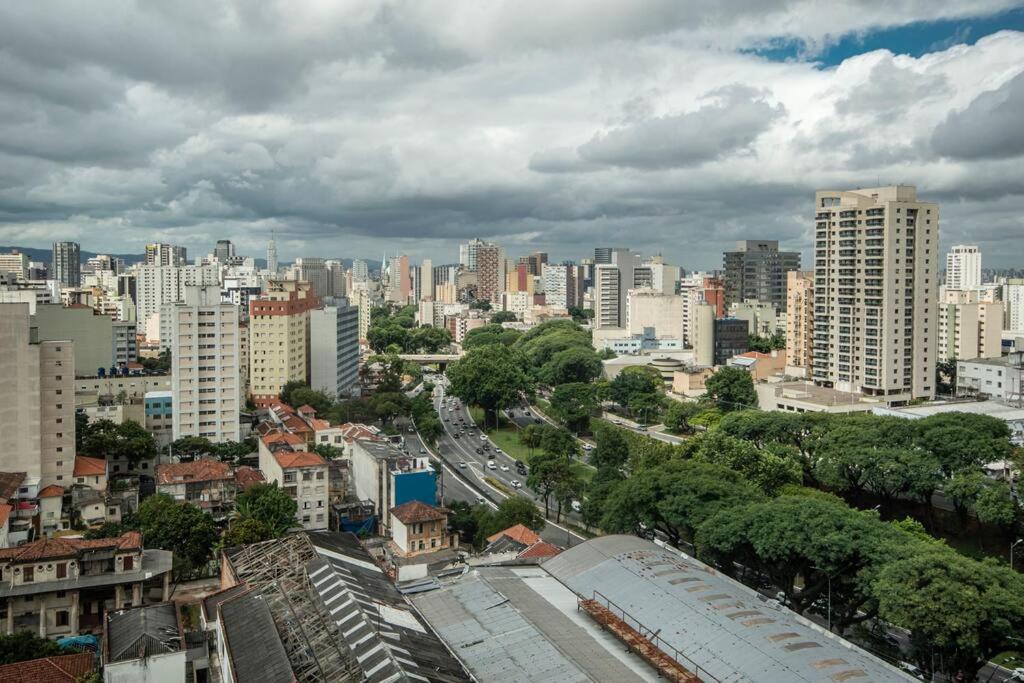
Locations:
(504, 468)
(576, 507)
(498, 450)
(515, 484)
(462, 465)
(616, 422)
(1017, 675)
(587, 447)
(491, 465)
(483, 437)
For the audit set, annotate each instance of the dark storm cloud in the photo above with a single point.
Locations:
(989, 128)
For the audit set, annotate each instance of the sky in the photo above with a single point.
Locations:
(355, 129)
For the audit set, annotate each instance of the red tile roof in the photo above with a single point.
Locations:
(58, 669)
(53, 548)
(540, 549)
(9, 484)
(5, 513)
(518, 533)
(319, 425)
(296, 424)
(246, 476)
(198, 470)
(298, 459)
(305, 408)
(283, 437)
(414, 511)
(90, 467)
(354, 430)
(51, 491)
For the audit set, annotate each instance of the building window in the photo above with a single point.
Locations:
(128, 563)
(28, 575)
(62, 618)
(62, 570)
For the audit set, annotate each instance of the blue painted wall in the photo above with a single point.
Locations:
(421, 486)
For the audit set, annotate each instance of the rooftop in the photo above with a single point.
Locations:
(414, 511)
(246, 476)
(729, 630)
(51, 491)
(822, 396)
(250, 637)
(59, 669)
(990, 408)
(288, 459)
(213, 601)
(140, 632)
(197, 470)
(519, 533)
(56, 548)
(90, 467)
(10, 482)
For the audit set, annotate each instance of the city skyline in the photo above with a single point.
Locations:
(681, 132)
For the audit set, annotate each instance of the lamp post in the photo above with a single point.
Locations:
(1012, 546)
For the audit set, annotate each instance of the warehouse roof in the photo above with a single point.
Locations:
(728, 629)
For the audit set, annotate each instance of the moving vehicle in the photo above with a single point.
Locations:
(587, 447)
(480, 500)
(483, 437)
(479, 451)
(462, 464)
(423, 450)
(412, 430)
(515, 484)
(576, 507)
(504, 468)
(491, 465)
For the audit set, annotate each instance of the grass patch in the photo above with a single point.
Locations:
(507, 439)
(1010, 659)
(498, 485)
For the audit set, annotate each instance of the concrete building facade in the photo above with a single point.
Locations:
(756, 269)
(800, 319)
(66, 264)
(963, 267)
(491, 271)
(334, 348)
(279, 337)
(876, 292)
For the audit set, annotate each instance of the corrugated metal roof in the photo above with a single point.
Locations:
(728, 629)
(142, 632)
(250, 637)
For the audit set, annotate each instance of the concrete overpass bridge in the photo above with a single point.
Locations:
(441, 360)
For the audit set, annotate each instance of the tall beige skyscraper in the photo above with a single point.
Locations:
(279, 338)
(876, 321)
(491, 270)
(800, 319)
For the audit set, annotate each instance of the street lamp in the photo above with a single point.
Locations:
(1012, 546)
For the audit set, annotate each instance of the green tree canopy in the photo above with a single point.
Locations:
(576, 364)
(612, 449)
(678, 415)
(572, 405)
(180, 527)
(128, 440)
(490, 377)
(22, 646)
(245, 531)
(504, 317)
(767, 469)
(269, 505)
(731, 389)
(633, 382)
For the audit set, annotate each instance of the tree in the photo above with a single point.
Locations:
(180, 527)
(959, 611)
(768, 470)
(244, 532)
(581, 314)
(517, 510)
(380, 338)
(269, 505)
(286, 391)
(482, 336)
(481, 305)
(22, 646)
(490, 377)
(964, 441)
(531, 435)
(128, 440)
(193, 446)
(314, 398)
(389, 405)
(391, 369)
(352, 410)
(572, 404)
(546, 472)
(996, 505)
(503, 317)
(576, 364)
(646, 407)
(560, 442)
(633, 382)
(612, 450)
(731, 389)
(678, 415)
(945, 377)
(462, 518)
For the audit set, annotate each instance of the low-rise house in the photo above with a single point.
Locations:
(207, 484)
(517, 544)
(50, 509)
(144, 645)
(303, 476)
(420, 528)
(389, 477)
(56, 669)
(91, 472)
(64, 586)
(761, 366)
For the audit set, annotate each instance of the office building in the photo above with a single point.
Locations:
(165, 255)
(224, 250)
(100, 342)
(37, 406)
(876, 324)
(800, 319)
(272, 256)
(607, 304)
(206, 372)
(467, 254)
(66, 264)
(761, 317)
(963, 267)
(156, 286)
(490, 269)
(602, 255)
(334, 347)
(14, 265)
(360, 271)
(731, 338)
(314, 270)
(399, 283)
(757, 270)
(279, 338)
(654, 315)
(535, 262)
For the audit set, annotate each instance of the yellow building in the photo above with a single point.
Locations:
(279, 337)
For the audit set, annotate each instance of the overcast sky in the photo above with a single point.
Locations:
(355, 129)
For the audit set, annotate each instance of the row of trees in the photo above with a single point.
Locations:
(744, 508)
(106, 439)
(476, 523)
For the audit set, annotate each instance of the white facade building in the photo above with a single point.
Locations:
(963, 267)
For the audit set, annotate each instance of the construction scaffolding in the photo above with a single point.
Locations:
(277, 570)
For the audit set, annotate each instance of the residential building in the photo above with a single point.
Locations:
(37, 407)
(272, 256)
(388, 477)
(205, 366)
(65, 586)
(145, 644)
(66, 264)
(468, 254)
(302, 475)
(998, 378)
(876, 292)
(968, 328)
(99, 341)
(731, 338)
(761, 366)
(1013, 305)
(53, 669)
(762, 317)
(210, 485)
(165, 255)
(518, 279)
(279, 338)
(490, 269)
(334, 347)
(159, 285)
(15, 265)
(399, 281)
(800, 319)
(516, 302)
(756, 269)
(607, 304)
(563, 285)
(714, 293)
(535, 262)
(360, 271)
(360, 299)
(418, 528)
(963, 267)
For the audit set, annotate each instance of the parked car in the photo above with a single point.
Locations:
(576, 507)
(480, 500)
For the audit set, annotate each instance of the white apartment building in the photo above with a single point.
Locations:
(516, 302)
(999, 378)
(969, 328)
(37, 407)
(15, 264)
(303, 476)
(607, 303)
(206, 357)
(876, 292)
(963, 267)
(159, 285)
(165, 255)
(1013, 305)
(556, 284)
